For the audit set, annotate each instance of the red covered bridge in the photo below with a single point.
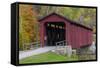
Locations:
(55, 28)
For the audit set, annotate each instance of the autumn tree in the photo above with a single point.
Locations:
(27, 22)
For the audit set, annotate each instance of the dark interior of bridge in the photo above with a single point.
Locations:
(55, 32)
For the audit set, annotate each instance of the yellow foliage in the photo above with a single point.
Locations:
(27, 23)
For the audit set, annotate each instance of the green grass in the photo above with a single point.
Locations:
(47, 57)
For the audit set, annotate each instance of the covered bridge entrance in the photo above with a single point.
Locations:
(55, 32)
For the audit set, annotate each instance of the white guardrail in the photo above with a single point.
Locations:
(61, 43)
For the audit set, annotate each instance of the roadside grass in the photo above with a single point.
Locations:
(87, 57)
(47, 57)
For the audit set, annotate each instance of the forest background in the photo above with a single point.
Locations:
(30, 14)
